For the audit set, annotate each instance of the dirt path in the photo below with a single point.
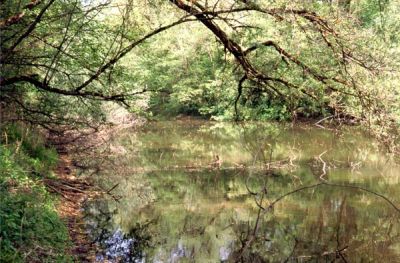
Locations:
(73, 192)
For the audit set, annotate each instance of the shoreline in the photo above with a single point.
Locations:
(72, 193)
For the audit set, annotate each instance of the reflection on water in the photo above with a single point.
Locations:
(192, 190)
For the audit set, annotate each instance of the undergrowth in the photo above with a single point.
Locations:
(30, 229)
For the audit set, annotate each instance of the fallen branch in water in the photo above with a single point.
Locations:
(321, 120)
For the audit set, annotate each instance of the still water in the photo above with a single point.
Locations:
(198, 191)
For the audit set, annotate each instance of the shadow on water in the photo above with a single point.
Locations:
(198, 191)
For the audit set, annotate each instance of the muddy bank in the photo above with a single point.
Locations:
(73, 192)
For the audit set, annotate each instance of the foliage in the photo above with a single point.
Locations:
(300, 59)
(189, 72)
(29, 225)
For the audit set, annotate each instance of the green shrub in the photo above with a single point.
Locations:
(30, 228)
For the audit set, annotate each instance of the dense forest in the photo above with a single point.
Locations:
(65, 65)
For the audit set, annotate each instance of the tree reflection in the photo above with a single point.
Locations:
(202, 214)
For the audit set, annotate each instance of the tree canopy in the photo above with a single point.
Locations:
(221, 59)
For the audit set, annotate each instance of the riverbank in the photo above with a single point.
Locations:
(30, 228)
(41, 197)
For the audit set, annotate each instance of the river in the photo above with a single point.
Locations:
(201, 191)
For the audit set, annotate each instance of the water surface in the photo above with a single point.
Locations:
(191, 191)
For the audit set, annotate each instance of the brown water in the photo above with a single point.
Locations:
(191, 191)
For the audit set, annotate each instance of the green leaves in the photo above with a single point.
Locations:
(28, 220)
